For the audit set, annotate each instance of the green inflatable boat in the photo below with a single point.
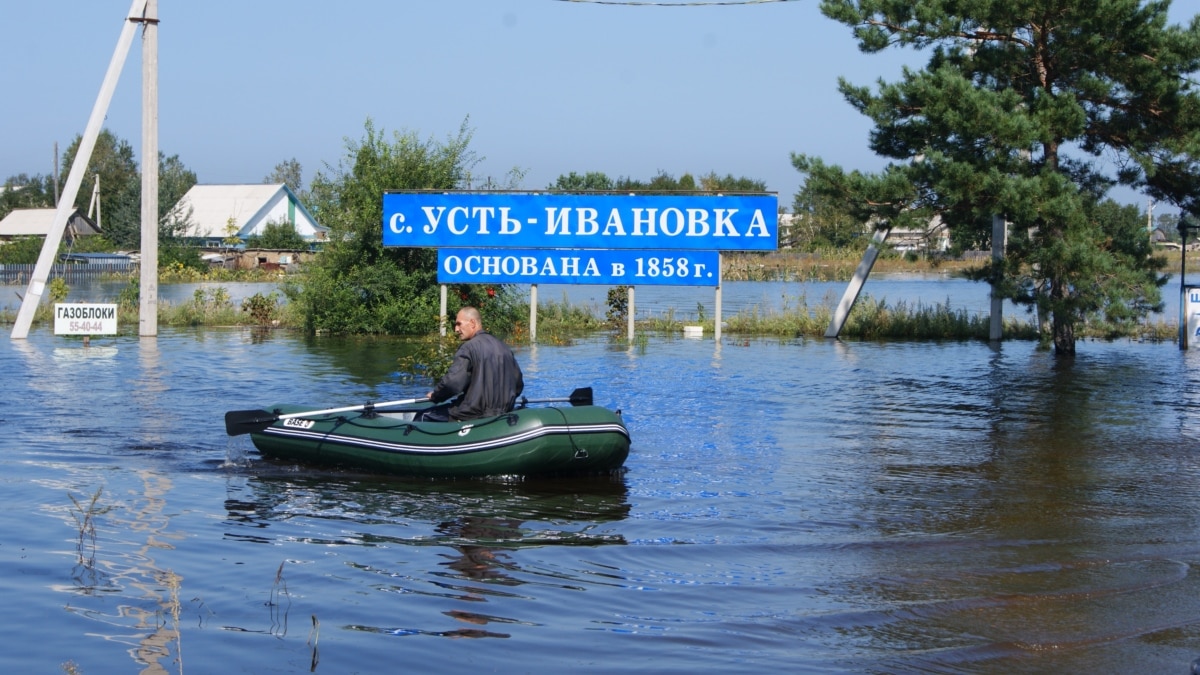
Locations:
(529, 441)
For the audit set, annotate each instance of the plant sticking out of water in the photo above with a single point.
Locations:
(172, 580)
(559, 322)
(641, 341)
(279, 590)
(618, 306)
(85, 523)
(58, 290)
(429, 357)
(261, 307)
(211, 307)
(313, 636)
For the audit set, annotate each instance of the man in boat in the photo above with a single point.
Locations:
(484, 380)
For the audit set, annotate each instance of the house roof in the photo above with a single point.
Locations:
(220, 211)
(37, 222)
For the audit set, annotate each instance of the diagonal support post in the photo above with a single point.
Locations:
(41, 271)
(842, 312)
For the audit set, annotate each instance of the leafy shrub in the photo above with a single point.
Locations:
(618, 305)
(261, 307)
(58, 290)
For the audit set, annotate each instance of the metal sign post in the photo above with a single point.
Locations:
(1184, 292)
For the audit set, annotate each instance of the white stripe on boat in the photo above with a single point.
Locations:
(412, 449)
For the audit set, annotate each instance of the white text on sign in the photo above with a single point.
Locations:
(572, 266)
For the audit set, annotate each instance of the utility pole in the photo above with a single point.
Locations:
(148, 268)
(94, 205)
(56, 173)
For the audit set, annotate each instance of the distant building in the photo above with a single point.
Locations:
(786, 223)
(218, 213)
(37, 223)
(934, 237)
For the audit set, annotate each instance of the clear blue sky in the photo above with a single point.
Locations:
(549, 86)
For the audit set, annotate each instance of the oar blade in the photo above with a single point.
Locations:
(581, 396)
(238, 422)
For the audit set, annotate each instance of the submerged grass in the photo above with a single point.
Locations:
(559, 322)
(85, 514)
(828, 265)
(870, 319)
(876, 319)
(208, 307)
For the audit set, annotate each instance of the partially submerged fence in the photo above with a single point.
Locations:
(71, 273)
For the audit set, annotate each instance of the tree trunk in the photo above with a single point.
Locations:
(1062, 322)
(1064, 336)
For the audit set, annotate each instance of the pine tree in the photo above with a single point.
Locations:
(1031, 109)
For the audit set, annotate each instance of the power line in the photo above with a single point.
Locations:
(697, 3)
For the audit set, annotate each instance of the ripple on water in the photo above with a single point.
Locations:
(789, 505)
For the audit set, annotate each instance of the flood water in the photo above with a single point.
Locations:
(798, 505)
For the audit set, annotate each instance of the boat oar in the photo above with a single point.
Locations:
(250, 421)
(581, 396)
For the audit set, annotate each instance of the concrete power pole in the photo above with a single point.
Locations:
(148, 305)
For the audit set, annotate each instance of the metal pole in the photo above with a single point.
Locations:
(629, 312)
(442, 317)
(41, 271)
(533, 313)
(148, 290)
(717, 301)
(1183, 337)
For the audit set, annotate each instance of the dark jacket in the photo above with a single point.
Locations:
(485, 376)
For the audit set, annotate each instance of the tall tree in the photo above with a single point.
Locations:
(121, 189)
(112, 164)
(174, 180)
(278, 235)
(661, 182)
(23, 191)
(1018, 112)
(290, 173)
(729, 183)
(574, 182)
(821, 222)
(356, 285)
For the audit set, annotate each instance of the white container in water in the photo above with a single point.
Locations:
(693, 331)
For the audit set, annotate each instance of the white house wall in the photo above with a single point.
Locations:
(280, 209)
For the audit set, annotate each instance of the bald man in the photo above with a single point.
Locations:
(484, 376)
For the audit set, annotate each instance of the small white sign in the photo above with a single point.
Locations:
(84, 319)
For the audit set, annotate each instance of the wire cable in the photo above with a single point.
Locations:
(695, 3)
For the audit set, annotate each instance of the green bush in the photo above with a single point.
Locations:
(355, 284)
(261, 308)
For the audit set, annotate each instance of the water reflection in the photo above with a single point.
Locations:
(989, 528)
(791, 506)
(459, 536)
(521, 513)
